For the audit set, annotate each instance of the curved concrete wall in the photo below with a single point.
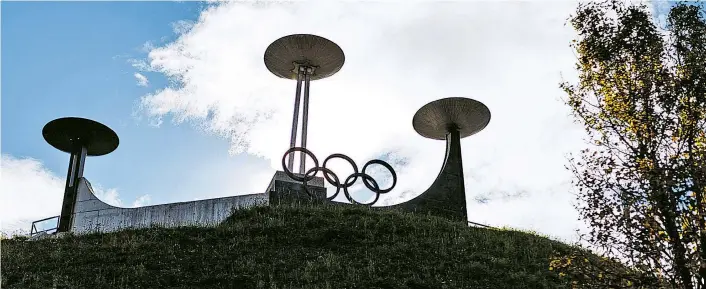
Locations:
(93, 215)
(446, 197)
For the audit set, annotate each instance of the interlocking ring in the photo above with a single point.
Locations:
(333, 179)
(306, 178)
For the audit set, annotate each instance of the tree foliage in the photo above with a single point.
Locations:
(641, 97)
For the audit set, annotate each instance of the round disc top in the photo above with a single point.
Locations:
(306, 49)
(434, 119)
(64, 133)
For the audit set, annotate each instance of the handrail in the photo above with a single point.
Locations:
(33, 231)
(482, 225)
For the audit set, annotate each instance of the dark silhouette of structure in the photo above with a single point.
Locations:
(334, 180)
(449, 119)
(79, 137)
(303, 57)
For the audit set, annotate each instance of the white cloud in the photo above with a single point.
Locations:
(138, 64)
(31, 192)
(509, 55)
(109, 196)
(182, 26)
(147, 46)
(142, 201)
(141, 79)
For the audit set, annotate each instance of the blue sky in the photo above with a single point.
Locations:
(72, 59)
(80, 59)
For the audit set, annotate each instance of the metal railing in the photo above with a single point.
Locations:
(481, 225)
(33, 231)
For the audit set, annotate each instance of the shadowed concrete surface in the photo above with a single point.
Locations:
(446, 197)
(80, 138)
(284, 190)
(94, 215)
(449, 118)
(286, 53)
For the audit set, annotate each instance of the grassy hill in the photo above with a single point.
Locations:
(290, 247)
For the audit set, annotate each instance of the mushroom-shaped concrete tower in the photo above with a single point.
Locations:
(450, 119)
(79, 137)
(303, 57)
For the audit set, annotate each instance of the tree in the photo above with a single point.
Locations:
(641, 97)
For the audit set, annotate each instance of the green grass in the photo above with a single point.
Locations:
(290, 247)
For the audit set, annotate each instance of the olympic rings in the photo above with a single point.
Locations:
(333, 179)
(306, 177)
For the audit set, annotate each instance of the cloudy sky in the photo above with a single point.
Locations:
(199, 116)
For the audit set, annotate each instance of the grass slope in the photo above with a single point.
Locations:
(290, 247)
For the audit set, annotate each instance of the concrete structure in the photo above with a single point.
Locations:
(304, 58)
(90, 214)
(82, 212)
(80, 138)
(449, 119)
(284, 190)
(446, 197)
(94, 215)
